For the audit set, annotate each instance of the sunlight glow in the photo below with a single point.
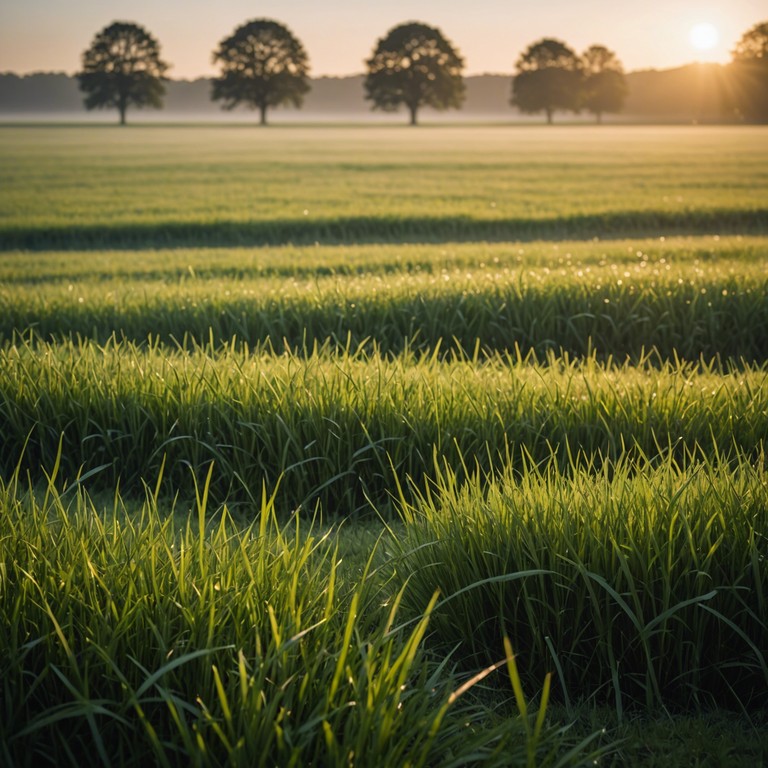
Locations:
(704, 36)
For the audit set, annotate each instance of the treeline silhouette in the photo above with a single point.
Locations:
(264, 66)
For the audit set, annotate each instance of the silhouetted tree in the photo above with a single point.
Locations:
(604, 87)
(417, 66)
(123, 68)
(262, 65)
(748, 75)
(548, 77)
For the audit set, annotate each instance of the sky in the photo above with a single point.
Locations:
(50, 35)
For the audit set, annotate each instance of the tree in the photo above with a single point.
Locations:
(548, 78)
(753, 44)
(748, 75)
(123, 68)
(604, 87)
(262, 65)
(417, 66)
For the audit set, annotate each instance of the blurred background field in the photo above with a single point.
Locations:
(94, 187)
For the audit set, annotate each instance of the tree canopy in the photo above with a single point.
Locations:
(123, 68)
(548, 77)
(753, 44)
(416, 66)
(262, 65)
(748, 79)
(604, 87)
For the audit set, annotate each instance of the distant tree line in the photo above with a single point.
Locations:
(263, 65)
(747, 87)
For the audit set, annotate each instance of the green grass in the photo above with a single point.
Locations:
(136, 634)
(687, 298)
(176, 265)
(632, 586)
(129, 639)
(714, 739)
(376, 446)
(69, 187)
(343, 428)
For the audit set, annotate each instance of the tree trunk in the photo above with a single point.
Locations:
(122, 107)
(549, 116)
(413, 109)
(599, 117)
(263, 113)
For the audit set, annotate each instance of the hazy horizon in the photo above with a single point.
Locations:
(46, 35)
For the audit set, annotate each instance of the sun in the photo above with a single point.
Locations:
(704, 36)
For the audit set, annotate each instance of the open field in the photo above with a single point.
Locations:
(384, 447)
(99, 188)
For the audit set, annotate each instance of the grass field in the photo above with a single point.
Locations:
(229, 186)
(684, 297)
(380, 447)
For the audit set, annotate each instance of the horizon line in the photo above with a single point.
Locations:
(194, 78)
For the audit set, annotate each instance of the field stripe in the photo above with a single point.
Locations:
(388, 229)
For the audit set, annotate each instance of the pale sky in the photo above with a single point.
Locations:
(50, 35)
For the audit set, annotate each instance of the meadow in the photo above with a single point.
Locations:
(69, 187)
(377, 446)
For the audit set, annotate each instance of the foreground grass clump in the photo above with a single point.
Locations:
(128, 638)
(637, 588)
(343, 427)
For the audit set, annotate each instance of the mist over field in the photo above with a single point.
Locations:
(682, 95)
